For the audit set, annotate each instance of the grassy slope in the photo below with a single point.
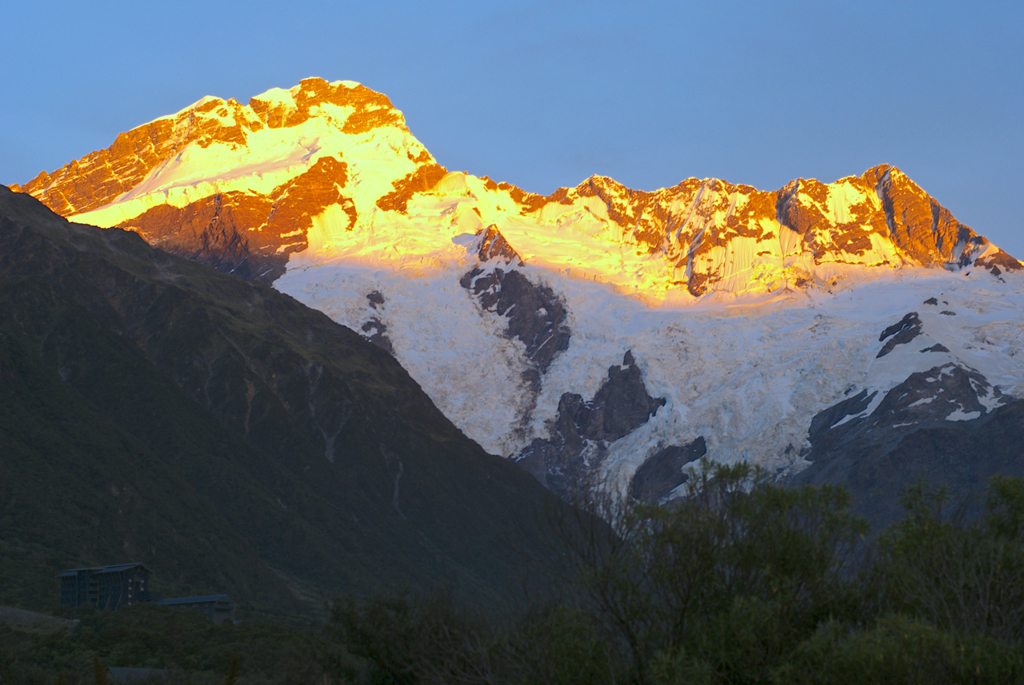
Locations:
(161, 411)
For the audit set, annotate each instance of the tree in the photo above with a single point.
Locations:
(734, 544)
(962, 577)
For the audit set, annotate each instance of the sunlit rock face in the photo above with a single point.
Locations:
(237, 186)
(747, 312)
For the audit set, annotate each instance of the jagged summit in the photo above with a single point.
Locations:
(334, 167)
(718, 235)
(102, 177)
(235, 186)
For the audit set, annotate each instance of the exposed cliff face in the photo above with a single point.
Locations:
(664, 471)
(570, 460)
(245, 234)
(900, 333)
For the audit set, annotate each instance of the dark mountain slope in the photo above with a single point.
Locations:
(909, 436)
(76, 490)
(264, 438)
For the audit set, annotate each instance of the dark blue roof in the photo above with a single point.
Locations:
(196, 600)
(73, 572)
(119, 567)
(103, 569)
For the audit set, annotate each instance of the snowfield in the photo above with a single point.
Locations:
(747, 372)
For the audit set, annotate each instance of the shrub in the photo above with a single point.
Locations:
(735, 543)
(901, 651)
(961, 577)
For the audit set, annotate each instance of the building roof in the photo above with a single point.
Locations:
(73, 572)
(103, 569)
(203, 599)
(120, 567)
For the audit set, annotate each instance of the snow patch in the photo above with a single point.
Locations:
(960, 415)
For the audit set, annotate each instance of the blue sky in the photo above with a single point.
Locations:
(546, 94)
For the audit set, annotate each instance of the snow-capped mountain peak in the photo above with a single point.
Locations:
(598, 332)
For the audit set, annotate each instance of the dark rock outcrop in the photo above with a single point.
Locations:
(900, 333)
(662, 472)
(536, 315)
(566, 461)
(374, 329)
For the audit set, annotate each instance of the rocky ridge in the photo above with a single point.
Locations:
(229, 184)
(946, 425)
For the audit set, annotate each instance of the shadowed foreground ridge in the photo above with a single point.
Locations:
(225, 435)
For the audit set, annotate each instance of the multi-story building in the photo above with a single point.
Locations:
(105, 587)
(115, 587)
